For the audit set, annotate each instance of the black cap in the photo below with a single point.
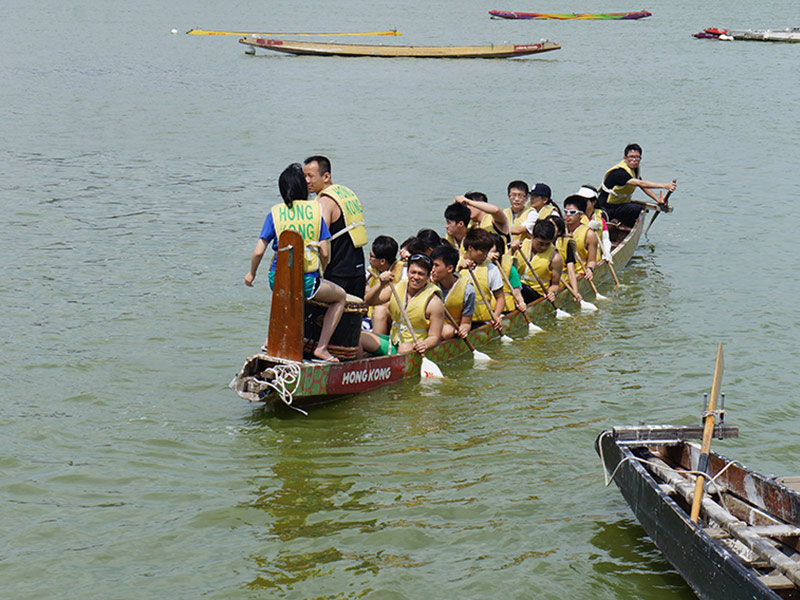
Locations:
(542, 189)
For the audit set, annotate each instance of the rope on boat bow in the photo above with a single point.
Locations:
(284, 376)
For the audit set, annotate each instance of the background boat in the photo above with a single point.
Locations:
(616, 16)
(391, 51)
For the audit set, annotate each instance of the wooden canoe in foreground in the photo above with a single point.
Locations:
(390, 51)
(746, 543)
(278, 382)
(617, 16)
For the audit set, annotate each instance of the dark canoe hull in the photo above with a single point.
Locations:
(392, 51)
(319, 383)
(790, 35)
(620, 16)
(708, 566)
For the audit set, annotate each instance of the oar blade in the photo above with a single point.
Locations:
(533, 328)
(505, 339)
(588, 306)
(430, 370)
(599, 296)
(562, 314)
(479, 356)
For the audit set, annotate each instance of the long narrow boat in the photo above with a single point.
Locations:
(617, 16)
(791, 34)
(277, 381)
(391, 51)
(746, 543)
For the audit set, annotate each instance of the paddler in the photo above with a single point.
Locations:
(619, 183)
(544, 259)
(484, 214)
(542, 206)
(518, 208)
(342, 209)
(382, 257)
(457, 289)
(422, 303)
(477, 244)
(457, 219)
(595, 218)
(566, 248)
(300, 214)
(586, 242)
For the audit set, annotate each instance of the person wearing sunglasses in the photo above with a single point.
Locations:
(619, 183)
(586, 240)
(423, 305)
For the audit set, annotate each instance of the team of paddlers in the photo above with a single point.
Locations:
(492, 260)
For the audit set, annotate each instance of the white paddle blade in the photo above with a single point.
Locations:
(479, 356)
(505, 339)
(588, 306)
(599, 296)
(562, 314)
(532, 328)
(430, 369)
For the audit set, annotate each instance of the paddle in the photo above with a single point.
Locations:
(661, 208)
(210, 32)
(428, 368)
(560, 314)
(488, 306)
(708, 433)
(476, 354)
(597, 294)
(532, 328)
(585, 304)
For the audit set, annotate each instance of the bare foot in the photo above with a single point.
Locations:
(323, 354)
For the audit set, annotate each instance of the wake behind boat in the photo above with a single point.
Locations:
(620, 16)
(278, 381)
(392, 51)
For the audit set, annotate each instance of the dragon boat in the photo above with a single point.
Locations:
(393, 51)
(281, 377)
(616, 16)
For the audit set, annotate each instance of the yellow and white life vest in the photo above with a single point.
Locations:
(620, 194)
(481, 273)
(454, 302)
(415, 309)
(546, 211)
(353, 213)
(452, 241)
(304, 217)
(579, 235)
(518, 220)
(541, 264)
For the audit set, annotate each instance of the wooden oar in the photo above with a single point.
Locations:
(560, 314)
(210, 32)
(429, 368)
(486, 303)
(532, 328)
(597, 294)
(708, 433)
(476, 354)
(660, 209)
(585, 304)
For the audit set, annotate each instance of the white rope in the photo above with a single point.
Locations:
(284, 376)
(608, 479)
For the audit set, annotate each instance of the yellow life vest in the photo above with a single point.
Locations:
(620, 194)
(518, 220)
(454, 302)
(373, 279)
(304, 217)
(561, 245)
(546, 211)
(415, 309)
(584, 219)
(353, 213)
(452, 241)
(481, 273)
(506, 263)
(541, 264)
(579, 235)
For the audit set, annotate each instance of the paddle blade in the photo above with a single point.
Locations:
(430, 369)
(562, 314)
(533, 328)
(505, 339)
(599, 296)
(479, 356)
(588, 306)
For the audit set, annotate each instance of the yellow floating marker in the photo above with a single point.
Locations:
(209, 32)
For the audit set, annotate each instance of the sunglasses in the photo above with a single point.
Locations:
(422, 257)
(571, 211)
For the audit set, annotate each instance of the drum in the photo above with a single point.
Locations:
(345, 339)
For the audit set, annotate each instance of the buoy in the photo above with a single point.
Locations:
(174, 31)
